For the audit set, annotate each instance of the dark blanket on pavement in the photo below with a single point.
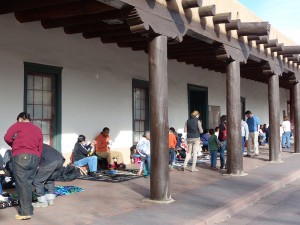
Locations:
(113, 176)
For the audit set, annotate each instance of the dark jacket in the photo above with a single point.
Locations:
(81, 151)
(50, 155)
(192, 128)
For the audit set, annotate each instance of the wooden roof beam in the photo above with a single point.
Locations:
(130, 40)
(254, 29)
(97, 26)
(263, 40)
(103, 33)
(64, 10)
(209, 10)
(233, 25)
(81, 19)
(188, 4)
(222, 18)
(290, 50)
(10, 6)
(272, 43)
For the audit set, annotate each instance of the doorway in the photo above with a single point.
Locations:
(198, 100)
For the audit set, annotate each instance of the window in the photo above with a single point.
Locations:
(140, 95)
(42, 100)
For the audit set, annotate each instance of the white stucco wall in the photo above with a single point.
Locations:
(97, 83)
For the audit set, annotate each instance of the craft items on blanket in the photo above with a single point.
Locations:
(67, 190)
(113, 176)
(8, 200)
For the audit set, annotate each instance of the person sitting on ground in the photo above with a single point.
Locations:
(82, 155)
(172, 145)
(103, 150)
(204, 138)
(213, 145)
(51, 164)
(261, 136)
(143, 148)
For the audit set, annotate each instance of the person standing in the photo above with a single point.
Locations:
(253, 125)
(50, 167)
(172, 145)
(223, 139)
(286, 136)
(193, 128)
(213, 145)
(26, 141)
(143, 148)
(245, 134)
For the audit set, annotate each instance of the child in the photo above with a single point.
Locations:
(213, 146)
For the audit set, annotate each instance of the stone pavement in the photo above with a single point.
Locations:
(203, 197)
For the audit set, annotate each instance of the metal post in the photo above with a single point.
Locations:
(234, 138)
(159, 127)
(274, 117)
(296, 104)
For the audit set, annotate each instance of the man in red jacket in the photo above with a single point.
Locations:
(26, 141)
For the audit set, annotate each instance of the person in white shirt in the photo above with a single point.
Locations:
(143, 148)
(286, 127)
(245, 134)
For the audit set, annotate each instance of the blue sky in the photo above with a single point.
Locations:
(283, 15)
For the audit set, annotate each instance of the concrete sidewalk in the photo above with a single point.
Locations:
(203, 197)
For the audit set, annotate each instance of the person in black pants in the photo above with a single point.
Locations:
(50, 167)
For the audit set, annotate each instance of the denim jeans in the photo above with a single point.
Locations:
(1, 190)
(222, 153)
(45, 177)
(171, 156)
(91, 161)
(213, 158)
(24, 168)
(243, 144)
(286, 139)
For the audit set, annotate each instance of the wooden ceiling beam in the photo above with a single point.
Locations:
(82, 28)
(64, 10)
(233, 25)
(106, 33)
(10, 6)
(81, 19)
(129, 40)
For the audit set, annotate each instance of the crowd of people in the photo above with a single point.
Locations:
(36, 165)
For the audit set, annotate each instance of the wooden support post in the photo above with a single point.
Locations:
(296, 99)
(274, 117)
(159, 127)
(234, 138)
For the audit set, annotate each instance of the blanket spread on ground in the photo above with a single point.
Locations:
(67, 190)
(114, 176)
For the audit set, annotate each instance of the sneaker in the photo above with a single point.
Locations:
(50, 202)
(40, 204)
(20, 217)
(194, 170)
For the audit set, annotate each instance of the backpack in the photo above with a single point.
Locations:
(223, 133)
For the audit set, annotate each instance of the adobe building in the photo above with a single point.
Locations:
(138, 65)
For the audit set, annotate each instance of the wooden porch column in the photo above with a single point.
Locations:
(274, 117)
(296, 99)
(159, 127)
(234, 138)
